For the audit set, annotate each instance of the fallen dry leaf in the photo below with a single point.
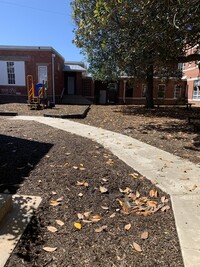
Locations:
(49, 249)
(77, 225)
(165, 208)
(59, 222)
(127, 227)
(96, 218)
(100, 229)
(103, 189)
(52, 229)
(66, 164)
(105, 207)
(153, 193)
(112, 215)
(54, 203)
(80, 216)
(87, 221)
(134, 175)
(137, 194)
(193, 187)
(87, 214)
(59, 199)
(144, 235)
(137, 247)
(83, 183)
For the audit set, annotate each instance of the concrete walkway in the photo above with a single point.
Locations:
(178, 177)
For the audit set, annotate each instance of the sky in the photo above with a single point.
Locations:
(39, 23)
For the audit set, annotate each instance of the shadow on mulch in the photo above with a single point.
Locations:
(17, 158)
(169, 112)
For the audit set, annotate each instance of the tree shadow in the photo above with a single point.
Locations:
(180, 112)
(17, 158)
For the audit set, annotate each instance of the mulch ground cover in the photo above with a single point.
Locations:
(95, 210)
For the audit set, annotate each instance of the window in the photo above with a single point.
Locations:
(177, 91)
(42, 74)
(196, 90)
(161, 90)
(144, 90)
(129, 89)
(11, 72)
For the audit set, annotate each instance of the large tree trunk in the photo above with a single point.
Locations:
(149, 91)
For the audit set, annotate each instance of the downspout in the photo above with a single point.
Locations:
(53, 77)
(124, 92)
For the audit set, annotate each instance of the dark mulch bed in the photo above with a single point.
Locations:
(39, 160)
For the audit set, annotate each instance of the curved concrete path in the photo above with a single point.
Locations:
(177, 177)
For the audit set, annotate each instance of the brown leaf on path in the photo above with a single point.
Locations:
(134, 175)
(82, 183)
(86, 221)
(50, 249)
(163, 198)
(165, 208)
(100, 229)
(59, 199)
(127, 190)
(137, 247)
(54, 203)
(144, 235)
(137, 194)
(105, 207)
(193, 187)
(80, 216)
(96, 218)
(75, 167)
(152, 203)
(153, 193)
(59, 222)
(52, 229)
(112, 215)
(103, 189)
(127, 227)
(87, 214)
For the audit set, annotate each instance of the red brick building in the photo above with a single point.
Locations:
(191, 73)
(44, 64)
(66, 82)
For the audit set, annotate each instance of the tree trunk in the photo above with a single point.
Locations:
(149, 91)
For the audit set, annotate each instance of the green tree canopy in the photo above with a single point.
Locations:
(136, 37)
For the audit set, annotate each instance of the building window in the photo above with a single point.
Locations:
(129, 89)
(42, 74)
(11, 72)
(196, 90)
(144, 90)
(161, 91)
(177, 91)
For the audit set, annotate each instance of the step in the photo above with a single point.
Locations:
(14, 224)
(5, 205)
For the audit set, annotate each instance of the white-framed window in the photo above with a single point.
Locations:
(177, 91)
(144, 90)
(42, 74)
(161, 91)
(12, 73)
(196, 90)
